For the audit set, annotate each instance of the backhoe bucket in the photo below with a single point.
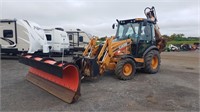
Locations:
(61, 79)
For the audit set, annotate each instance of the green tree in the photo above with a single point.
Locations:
(177, 37)
(166, 37)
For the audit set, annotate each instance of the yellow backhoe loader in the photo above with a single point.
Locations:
(136, 45)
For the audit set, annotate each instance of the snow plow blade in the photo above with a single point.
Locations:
(61, 79)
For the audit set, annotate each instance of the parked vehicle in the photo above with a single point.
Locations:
(78, 40)
(172, 47)
(57, 40)
(22, 36)
(185, 47)
(19, 36)
(195, 46)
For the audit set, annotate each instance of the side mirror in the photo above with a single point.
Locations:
(113, 26)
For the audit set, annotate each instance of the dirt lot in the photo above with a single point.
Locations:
(174, 88)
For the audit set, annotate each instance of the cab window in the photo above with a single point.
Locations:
(125, 31)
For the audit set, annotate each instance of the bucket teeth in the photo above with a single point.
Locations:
(63, 93)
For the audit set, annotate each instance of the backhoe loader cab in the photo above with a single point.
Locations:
(140, 31)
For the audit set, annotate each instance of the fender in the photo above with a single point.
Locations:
(137, 60)
(127, 56)
(149, 49)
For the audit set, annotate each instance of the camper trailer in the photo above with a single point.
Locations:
(58, 40)
(10, 44)
(21, 36)
(18, 36)
(78, 40)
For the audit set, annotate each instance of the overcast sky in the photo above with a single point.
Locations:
(97, 16)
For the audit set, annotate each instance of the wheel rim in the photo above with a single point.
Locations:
(127, 69)
(154, 62)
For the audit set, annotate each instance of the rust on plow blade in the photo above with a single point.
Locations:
(61, 79)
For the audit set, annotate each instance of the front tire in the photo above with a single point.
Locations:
(125, 69)
(152, 62)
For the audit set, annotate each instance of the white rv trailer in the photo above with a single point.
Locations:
(78, 40)
(57, 39)
(17, 36)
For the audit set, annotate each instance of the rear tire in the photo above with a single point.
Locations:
(125, 69)
(152, 62)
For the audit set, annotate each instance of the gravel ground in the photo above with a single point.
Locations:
(174, 88)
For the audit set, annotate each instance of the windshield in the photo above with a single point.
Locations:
(129, 30)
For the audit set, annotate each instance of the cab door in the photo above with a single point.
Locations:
(145, 38)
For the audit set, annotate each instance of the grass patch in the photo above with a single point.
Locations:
(182, 42)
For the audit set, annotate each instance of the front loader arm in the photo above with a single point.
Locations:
(91, 48)
(105, 54)
(106, 48)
